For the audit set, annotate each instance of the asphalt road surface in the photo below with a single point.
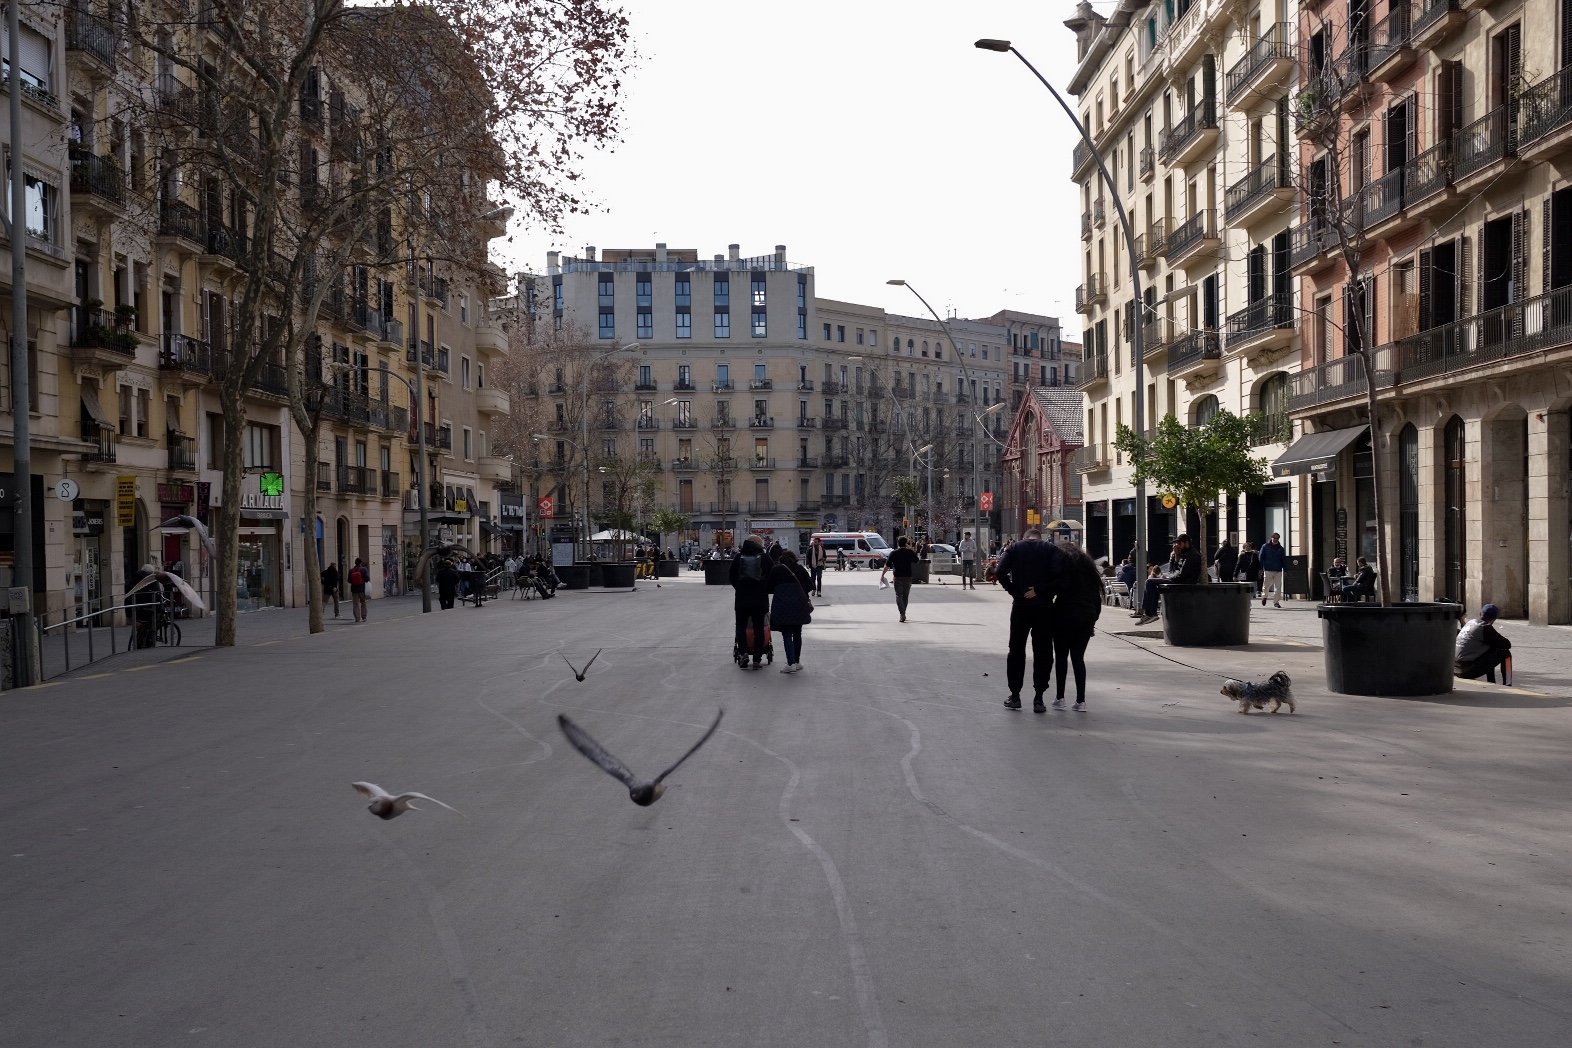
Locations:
(872, 852)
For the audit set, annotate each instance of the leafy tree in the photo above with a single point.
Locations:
(1197, 464)
(670, 522)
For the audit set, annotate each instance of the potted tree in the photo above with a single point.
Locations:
(1194, 466)
(668, 522)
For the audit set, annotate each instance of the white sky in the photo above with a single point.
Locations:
(868, 136)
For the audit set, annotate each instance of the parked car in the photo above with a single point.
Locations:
(943, 559)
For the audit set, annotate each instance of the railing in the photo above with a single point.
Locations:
(1265, 178)
(836, 460)
(1428, 173)
(421, 353)
(1194, 231)
(357, 480)
(761, 383)
(804, 422)
(325, 476)
(1080, 156)
(1086, 225)
(271, 379)
(832, 388)
(1271, 428)
(608, 421)
(1272, 313)
(722, 422)
(1309, 241)
(807, 462)
(1157, 238)
(805, 385)
(176, 219)
(1088, 459)
(174, 98)
(229, 243)
(1390, 34)
(1547, 106)
(723, 507)
(1335, 380)
(1192, 349)
(1534, 325)
(96, 175)
(761, 422)
(1093, 370)
(763, 507)
(1148, 160)
(835, 423)
(182, 452)
(1200, 119)
(804, 506)
(1430, 12)
(391, 488)
(683, 386)
(1348, 69)
(641, 386)
(103, 438)
(761, 462)
(93, 36)
(1099, 212)
(1272, 45)
(1481, 143)
(1155, 335)
(101, 329)
(721, 387)
(1089, 293)
(647, 422)
(1381, 199)
(684, 465)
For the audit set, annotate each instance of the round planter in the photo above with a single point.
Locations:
(617, 576)
(667, 569)
(717, 573)
(1210, 615)
(921, 571)
(592, 571)
(1406, 649)
(573, 576)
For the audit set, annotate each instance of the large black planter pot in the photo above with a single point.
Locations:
(1208, 615)
(592, 574)
(573, 576)
(617, 576)
(717, 573)
(667, 569)
(921, 571)
(1405, 649)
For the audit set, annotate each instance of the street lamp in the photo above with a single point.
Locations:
(583, 450)
(1136, 339)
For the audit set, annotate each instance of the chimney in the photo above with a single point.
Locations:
(589, 252)
(553, 263)
(660, 252)
(720, 258)
(780, 255)
(734, 251)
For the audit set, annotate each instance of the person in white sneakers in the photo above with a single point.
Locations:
(1274, 558)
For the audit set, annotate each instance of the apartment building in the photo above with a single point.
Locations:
(135, 261)
(1188, 103)
(1453, 123)
(764, 407)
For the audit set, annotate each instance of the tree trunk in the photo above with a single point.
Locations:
(313, 562)
(1383, 563)
(226, 571)
(1201, 529)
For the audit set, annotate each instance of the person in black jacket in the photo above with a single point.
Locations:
(749, 576)
(1032, 572)
(790, 608)
(1076, 609)
(447, 585)
(1184, 569)
(1249, 567)
(1227, 560)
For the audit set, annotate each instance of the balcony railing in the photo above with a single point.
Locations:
(761, 383)
(645, 386)
(103, 439)
(1326, 383)
(683, 385)
(836, 423)
(1192, 349)
(184, 353)
(96, 175)
(1431, 12)
(356, 480)
(1273, 313)
(1093, 370)
(1099, 212)
(805, 506)
(647, 422)
(1080, 156)
(1532, 326)
(722, 422)
(807, 462)
(1148, 161)
(1381, 199)
(1265, 178)
(92, 35)
(1273, 44)
(1390, 35)
(1089, 459)
(684, 465)
(1086, 225)
(176, 219)
(1186, 237)
(1199, 120)
(1090, 293)
(684, 422)
(1309, 241)
(763, 507)
(1427, 174)
(1547, 106)
(391, 488)
(1482, 143)
(182, 452)
(805, 422)
(723, 507)
(832, 388)
(1271, 428)
(761, 462)
(761, 422)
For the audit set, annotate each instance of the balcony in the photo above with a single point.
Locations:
(1546, 115)
(390, 487)
(805, 385)
(356, 480)
(1537, 325)
(1090, 459)
(1336, 380)
(1196, 355)
(97, 184)
(763, 508)
(390, 418)
(495, 468)
(1192, 137)
(1310, 243)
(805, 506)
(684, 465)
(1271, 428)
(684, 422)
(901, 391)
(832, 499)
(836, 460)
(421, 353)
(1264, 192)
(1480, 145)
(1381, 204)
(607, 420)
(761, 422)
(271, 381)
(175, 102)
(722, 386)
(729, 508)
(436, 439)
(1426, 179)
(1086, 225)
(650, 460)
(94, 37)
(489, 400)
(647, 422)
(1348, 73)
(222, 242)
(833, 388)
(1390, 50)
(833, 424)
(763, 462)
(1261, 327)
(187, 359)
(1080, 159)
(182, 453)
(1193, 240)
(1270, 61)
(722, 422)
(181, 224)
(1094, 373)
(1156, 335)
(683, 385)
(102, 339)
(807, 462)
(646, 386)
(761, 383)
(324, 476)
(1316, 102)
(1099, 213)
(1092, 293)
(805, 422)
(1148, 163)
(1434, 21)
(103, 440)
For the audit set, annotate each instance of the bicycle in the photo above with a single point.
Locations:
(163, 629)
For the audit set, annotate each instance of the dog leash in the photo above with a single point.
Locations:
(1166, 658)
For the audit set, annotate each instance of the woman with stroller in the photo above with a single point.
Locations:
(790, 608)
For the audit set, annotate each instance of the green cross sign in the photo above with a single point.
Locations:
(272, 484)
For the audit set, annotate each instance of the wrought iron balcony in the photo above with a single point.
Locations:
(391, 486)
(721, 386)
(763, 507)
(1546, 108)
(722, 422)
(1094, 372)
(1309, 241)
(805, 385)
(1086, 225)
(1269, 319)
(1326, 383)
(807, 462)
(1089, 459)
(1427, 174)
(647, 422)
(1194, 352)
(93, 36)
(356, 480)
(1090, 294)
(1185, 140)
(1489, 139)
(1273, 50)
(185, 354)
(1381, 199)
(97, 178)
(684, 422)
(645, 386)
(1389, 49)
(1080, 159)
(1434, 21)
(1099, 213)
(182, 452)
(1265, 183)
(835, 423)
(1190, 236)
(805, 422)
(761, 383)
(761, 422)
(832, 388)
(1535, 325)
(1148, 162)
(104, 441)
(684, 465)
(683, 385)
(176, 219)
(761, 462)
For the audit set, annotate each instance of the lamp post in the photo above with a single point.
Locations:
(1136, 339)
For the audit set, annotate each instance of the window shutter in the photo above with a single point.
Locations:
(1519, 289)
(1369, 291)
(1448, 100)
(1426, 303)
(1465, 278)
(1545, 276)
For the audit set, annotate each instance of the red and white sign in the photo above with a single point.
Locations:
(546, 507)
(985, 501)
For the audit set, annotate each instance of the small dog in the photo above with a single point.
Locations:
(1277, 690)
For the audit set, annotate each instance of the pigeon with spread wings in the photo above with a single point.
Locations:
(578, 674)
(641, 792)
(153, 575)
(424, 562)
(187, 521)
(385, 805)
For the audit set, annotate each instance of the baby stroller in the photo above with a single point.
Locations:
(742, 657)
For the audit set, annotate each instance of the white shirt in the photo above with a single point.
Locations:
(968, 549)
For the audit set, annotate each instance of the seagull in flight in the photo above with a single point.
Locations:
(187, 521)
(578, 674)
(153, 575)
(385, 805)
(640, 792)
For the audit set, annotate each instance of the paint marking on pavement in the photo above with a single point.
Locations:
(263, 643)
(139, 669)
(96, 676)
(188, 658)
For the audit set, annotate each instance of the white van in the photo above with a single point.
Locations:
(863, 549)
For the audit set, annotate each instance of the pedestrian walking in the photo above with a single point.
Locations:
(447, 585)
(749, 576)
(902, 564)
(818, 559)
(330, 586)
(1273, 560)
(1248, 569)
(359, 576)
(790, 608)
(968, 551)
(1032, 572)
(1226, 559)
(1076, 610)
(1481, 648)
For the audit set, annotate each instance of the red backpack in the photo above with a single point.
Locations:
(357, 576)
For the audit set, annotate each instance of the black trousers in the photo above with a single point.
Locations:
(1484, 666)
(755, 616)
(1069, 647)
(1036, 622)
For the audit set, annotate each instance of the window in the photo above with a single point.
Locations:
(607, 290)
(646, 377)
(643, 290)
(260, 444)
(684, 414)
(444, 360)
(35, 51)
(761, 324)
(684, 290)
(469, 443)
(826, 332)
(646, 324)
(722, 324)
(43, 206)
(840, 332)
(556, 295)
(685, 376)
(802, 325)
(722, 290)
(608, 447)
(802, 292)
(859, 336)
(608, 324)
(464, 309)
(684, 325)
(464, 372)
(756, 289)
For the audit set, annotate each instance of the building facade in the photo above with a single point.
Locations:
(1188, 104)
(1041, 484)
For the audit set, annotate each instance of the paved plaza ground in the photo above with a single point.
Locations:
(872, 852)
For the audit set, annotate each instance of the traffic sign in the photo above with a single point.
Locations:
(546, 507)
(985, 502)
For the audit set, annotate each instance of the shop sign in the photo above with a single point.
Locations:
(172, 493)
(87, 523)
(125, 501)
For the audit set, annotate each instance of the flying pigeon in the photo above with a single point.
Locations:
(424, 562)
(192, 597)
(578, 674)
(185, 521)
(641, 793)
(386, 806)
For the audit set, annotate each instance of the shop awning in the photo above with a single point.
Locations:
(488, 528)
(474, 503)
(94, 409)
(1316, 453)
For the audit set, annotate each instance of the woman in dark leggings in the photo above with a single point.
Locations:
(1076, 609)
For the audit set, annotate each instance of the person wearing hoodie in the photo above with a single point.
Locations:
(1076, 609)
(749, 576)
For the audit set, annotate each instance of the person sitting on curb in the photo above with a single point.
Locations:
(1184, 569)
(1481, 648)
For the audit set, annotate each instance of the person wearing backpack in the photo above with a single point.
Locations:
(358, 577)
(749, 576)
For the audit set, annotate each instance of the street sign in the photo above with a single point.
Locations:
(985, 502)
(546, 507)
(66, 490)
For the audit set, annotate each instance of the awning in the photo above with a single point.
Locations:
(1316, 453)
(438, 516)
(94, 409)
(488, 528)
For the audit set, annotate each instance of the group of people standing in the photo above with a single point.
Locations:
(770, 584)
(1058, 596)
(358, 577)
